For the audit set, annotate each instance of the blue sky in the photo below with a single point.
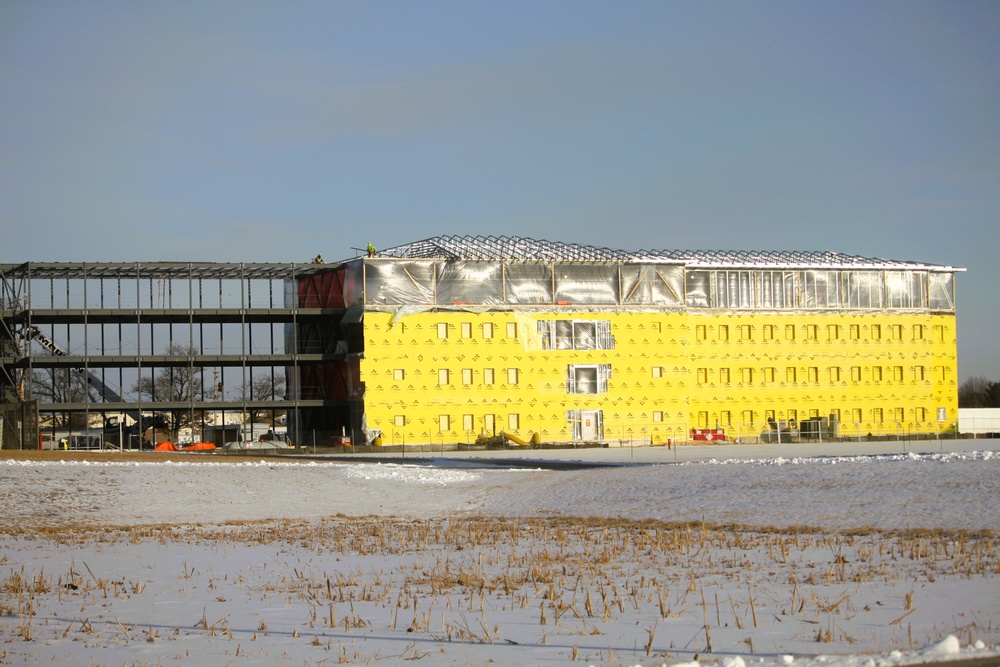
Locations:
(270, 131)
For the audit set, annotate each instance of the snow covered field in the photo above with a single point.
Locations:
(732, 555)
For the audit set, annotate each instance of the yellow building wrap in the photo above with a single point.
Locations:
(448, 376)
(464, 339)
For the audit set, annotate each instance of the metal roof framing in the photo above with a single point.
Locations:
(157, 270)
(521, 248)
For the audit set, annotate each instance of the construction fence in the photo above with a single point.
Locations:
(19, 425)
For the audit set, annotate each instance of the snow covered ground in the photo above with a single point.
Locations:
(865, 554)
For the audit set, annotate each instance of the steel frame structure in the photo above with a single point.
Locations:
(119, 322)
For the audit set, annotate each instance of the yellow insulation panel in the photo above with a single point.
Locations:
(449, 376)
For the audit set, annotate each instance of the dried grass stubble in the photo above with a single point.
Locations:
(582, 572)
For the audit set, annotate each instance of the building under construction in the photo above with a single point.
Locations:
(454, 339)
(148, 348)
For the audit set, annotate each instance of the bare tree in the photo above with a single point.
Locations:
(181, 384)
(261, 387)
(61, 385)
(993, 395)
(974, 393)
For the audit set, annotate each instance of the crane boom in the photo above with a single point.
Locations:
(106, 392)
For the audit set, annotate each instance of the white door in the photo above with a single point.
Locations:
(590, 425)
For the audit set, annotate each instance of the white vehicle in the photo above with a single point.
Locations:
(88, 439)
(256, 445)
(254, 436)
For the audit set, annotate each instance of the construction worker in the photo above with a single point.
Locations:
(371, 250)
(318, 259)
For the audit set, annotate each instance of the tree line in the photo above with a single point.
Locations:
(979, 392)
